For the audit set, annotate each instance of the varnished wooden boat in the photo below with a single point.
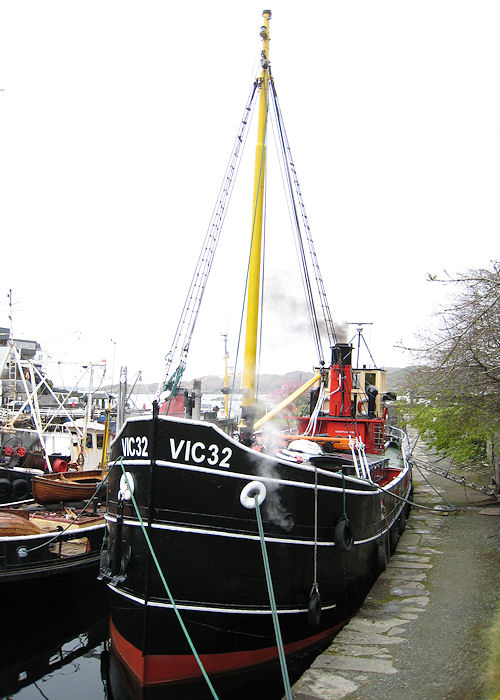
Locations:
(67, 486)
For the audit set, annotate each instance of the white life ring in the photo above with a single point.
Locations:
(248, 493)
(125, 493)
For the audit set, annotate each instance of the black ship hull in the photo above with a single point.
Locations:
(191, 485)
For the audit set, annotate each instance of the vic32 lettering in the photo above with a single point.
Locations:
(135, 446)
(198, 452)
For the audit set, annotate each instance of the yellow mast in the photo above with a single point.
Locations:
(104, 455)
(255, 254)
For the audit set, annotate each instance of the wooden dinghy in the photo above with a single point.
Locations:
(66, 486)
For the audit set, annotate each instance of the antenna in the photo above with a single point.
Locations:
(11, 315)
(359, 331)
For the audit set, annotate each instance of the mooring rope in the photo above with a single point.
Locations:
(167, 589)
(274, 611)
(412, 503)
(315, 567)
(448, 503)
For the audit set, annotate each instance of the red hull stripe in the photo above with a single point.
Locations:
(157, 669)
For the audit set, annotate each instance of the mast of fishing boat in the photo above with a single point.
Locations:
(226, 377)
(252, 323)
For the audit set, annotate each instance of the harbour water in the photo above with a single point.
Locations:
(55, 646)
(52, 638)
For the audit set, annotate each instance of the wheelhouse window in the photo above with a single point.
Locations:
(370, 378)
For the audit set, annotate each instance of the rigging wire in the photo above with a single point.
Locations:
(244, 294)
(298, 237)
(314, 258)
(238, 343)
(185, 328)
(190, 311)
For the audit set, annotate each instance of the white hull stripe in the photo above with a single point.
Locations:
(374, 491)
(238, 536)
(210, 608)
(17, 503)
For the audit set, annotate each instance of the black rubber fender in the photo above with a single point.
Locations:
(344, 535)
(20, 488)
(314, 608)
(5, 488)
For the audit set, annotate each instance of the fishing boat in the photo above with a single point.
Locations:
(40, 436)
(227, 552)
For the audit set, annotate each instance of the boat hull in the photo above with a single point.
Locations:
(52, 548)
(189, 482)
(65, 487)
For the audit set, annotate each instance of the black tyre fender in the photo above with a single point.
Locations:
(5, 488)
(20, 488)
(344, 535)
(402, 523)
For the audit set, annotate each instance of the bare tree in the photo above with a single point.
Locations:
(460, 360)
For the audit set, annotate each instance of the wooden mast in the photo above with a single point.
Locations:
(253, 295)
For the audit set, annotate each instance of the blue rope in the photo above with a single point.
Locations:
(170, 597)
(277, 631)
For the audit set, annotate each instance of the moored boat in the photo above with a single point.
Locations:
(37, 543)
(67, 486)
(225, 552)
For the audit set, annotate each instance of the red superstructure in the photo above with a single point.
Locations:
(352, 408)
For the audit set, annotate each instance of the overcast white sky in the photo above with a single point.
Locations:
(116, 123)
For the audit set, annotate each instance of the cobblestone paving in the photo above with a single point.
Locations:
(364, 655)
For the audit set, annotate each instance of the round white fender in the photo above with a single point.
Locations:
(125, 493)
(248, 493)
